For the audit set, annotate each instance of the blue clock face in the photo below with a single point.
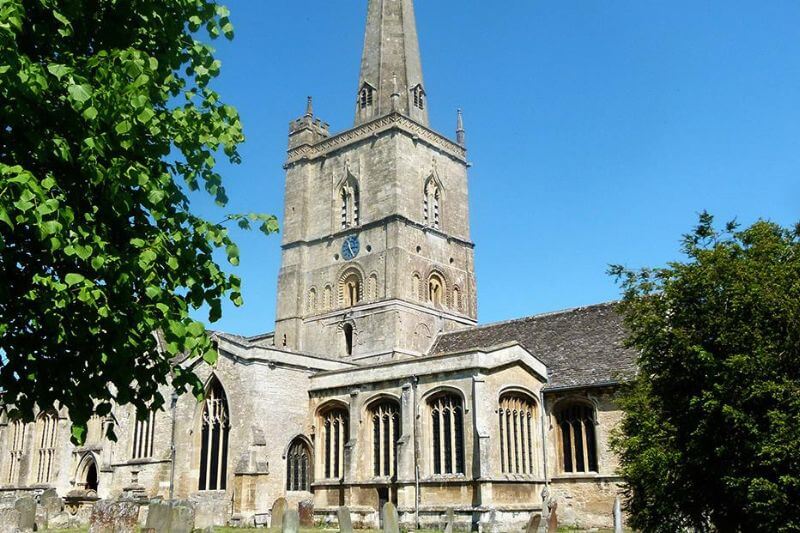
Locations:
(350, 248)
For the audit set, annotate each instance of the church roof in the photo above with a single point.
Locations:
(581, 347)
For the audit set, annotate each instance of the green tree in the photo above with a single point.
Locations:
(107, 123)
(711, 433)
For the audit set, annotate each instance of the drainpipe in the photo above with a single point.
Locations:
(414, 383)
(544, 446)
(173, 408)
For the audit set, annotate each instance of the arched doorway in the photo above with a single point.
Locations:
(88, 475)
(91, 477)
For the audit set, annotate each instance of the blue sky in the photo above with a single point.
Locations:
(597, 130)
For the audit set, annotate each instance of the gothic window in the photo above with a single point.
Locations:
(432, 203)
(578, 447)
(312, 300)
(517, 416)
(334, 437)
(214, 439)
(372, 287)
(46, 431)
(436, 290)
(298, 467)
(350, 201)
(143, 436)
(385, 434)
(418, 97)
(16, 449)
(366, 96)
(348, 332)
(447, 434)
(350, 289)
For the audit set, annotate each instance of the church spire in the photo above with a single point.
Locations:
(391, 68)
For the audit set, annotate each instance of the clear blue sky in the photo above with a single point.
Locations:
(598, 130)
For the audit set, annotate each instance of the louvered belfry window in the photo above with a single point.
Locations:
(576, 423)
(447, 434)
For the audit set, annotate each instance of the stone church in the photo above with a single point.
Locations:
(378, 384)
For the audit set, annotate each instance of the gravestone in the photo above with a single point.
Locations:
(114, 517)
(9, 518)
(182, 517)
(52, 502)
(27, 513)
(158, 516)
(278, 510)
(617, 516)
(345, 523)
(450, 520)
(391, 520)
(552, 520)
(306, 511)
(533, 523)
(291, 521)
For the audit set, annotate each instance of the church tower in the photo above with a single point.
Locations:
(377, 257)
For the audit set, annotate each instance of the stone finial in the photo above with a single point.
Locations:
(310, 107)
(461, 134)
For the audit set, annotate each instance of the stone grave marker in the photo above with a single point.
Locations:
(450, 520)
(182, 517)
(345, 523)
(158, 516)
(110, 516)
(391, 520)
(27, 513)
(533, 523)
(291, 521)
(278, 510)
(306, 511)
(52, 502)
(9, 518)
(552, 520)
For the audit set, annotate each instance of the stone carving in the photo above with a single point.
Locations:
(114, 517)
(533, 523)
(278, 510)
(27, 513)
(345, 523)
(306, 511)
(391, 520)
(291, 522)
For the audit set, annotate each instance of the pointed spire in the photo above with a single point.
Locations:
(310, 107)
(391, 48)
(461, 134)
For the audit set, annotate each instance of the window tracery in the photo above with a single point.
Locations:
(432, 203)
(578, 450)
(334, 436)
(517, 418)
(447, 434)
(385, 434)
(214, 439)
(46, 431)
(16, 449)
(298, 466)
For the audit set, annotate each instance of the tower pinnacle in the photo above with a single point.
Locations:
(391, 50)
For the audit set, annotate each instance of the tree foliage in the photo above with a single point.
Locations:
(711, 434)
(107, 122)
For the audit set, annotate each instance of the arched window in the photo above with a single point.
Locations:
(335, 429)
(350, 201)
(436, 290)
(517, 415)
(46, 432)
(312, 300)
(350, 288)
(432, 203)
(415, 285)
(349, 334)
(457, 298)
(16, 449)
(418, 96)
(385, 434)
(214, 439)
(328, 298)
(372, 287)
(298, 466)
(143, 435)
(578, 448)
(447, 434)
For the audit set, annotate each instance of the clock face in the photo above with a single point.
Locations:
(350, 247)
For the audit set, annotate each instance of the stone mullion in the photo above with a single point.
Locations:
(392, 444)
(340, 451)
(514, 440)
(381, 443)
(524, 442)
(441, 436)
(502, 440)
(453, 449)
(586, 464)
